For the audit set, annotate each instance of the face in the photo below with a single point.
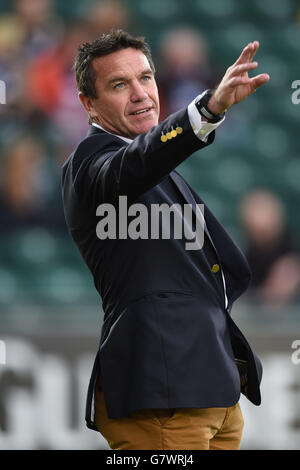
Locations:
(127, 101)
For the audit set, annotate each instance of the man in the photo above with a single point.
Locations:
(171, 362)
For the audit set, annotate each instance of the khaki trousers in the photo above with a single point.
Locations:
(176, 429)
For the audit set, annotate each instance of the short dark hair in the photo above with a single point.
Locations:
(107, 43)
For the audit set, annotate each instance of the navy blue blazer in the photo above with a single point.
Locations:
(167, 339)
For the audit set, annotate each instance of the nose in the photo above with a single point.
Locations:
(138, 92)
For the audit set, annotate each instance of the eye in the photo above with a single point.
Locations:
(146, 78)
(119, 85)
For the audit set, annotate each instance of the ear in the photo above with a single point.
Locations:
(88, 104)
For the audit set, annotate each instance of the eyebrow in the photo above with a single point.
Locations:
(122, 78)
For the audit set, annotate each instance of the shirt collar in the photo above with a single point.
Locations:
(120, 136)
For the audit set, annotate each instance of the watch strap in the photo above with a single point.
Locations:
(201, 105)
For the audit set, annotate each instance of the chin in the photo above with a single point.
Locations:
(145, 127)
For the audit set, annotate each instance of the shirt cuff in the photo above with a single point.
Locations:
(201, 128)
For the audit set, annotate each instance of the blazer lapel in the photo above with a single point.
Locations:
(185, 191)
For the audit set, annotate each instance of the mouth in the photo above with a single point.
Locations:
(141, 112)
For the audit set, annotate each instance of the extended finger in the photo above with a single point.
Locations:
(254, 50)
(254, 82)
(244, 57)
(235, 81)
(242, 68)
(248, 53)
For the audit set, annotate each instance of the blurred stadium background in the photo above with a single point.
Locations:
(50, 314)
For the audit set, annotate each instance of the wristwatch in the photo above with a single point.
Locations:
(201, 105)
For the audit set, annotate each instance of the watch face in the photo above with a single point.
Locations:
(204, 111)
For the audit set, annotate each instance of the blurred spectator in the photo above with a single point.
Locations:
(184, 68)
(26, 187)
(52, 86)
(11, 58)
(270, 252)
(36, 60)
(24, 33)
(108, 14)
(42, 28)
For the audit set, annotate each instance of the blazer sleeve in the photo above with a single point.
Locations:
(121, 169)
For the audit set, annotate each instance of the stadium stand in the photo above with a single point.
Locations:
(258, 146)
